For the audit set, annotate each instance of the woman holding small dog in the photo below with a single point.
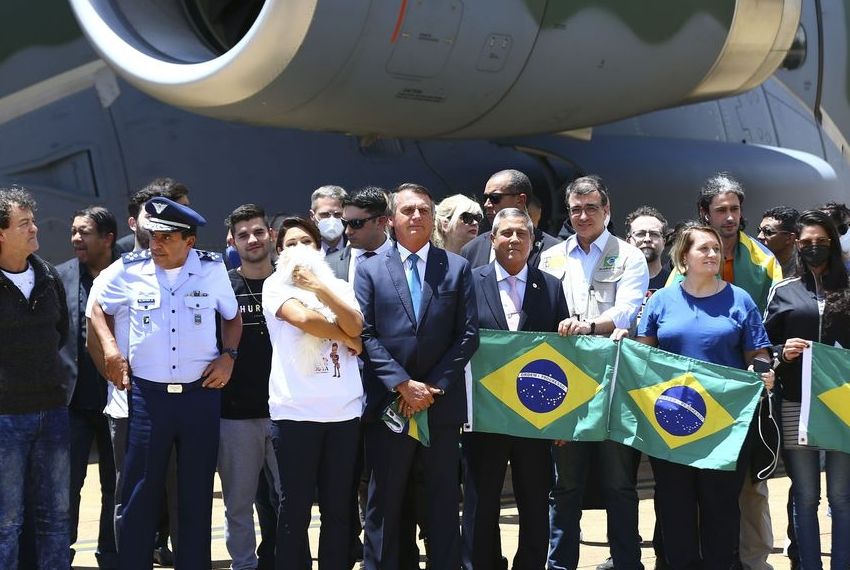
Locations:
(315, 396)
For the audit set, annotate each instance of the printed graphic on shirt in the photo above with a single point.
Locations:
(330, 359)
(251, 308)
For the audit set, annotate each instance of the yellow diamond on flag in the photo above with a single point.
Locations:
(681, 410)
(838, 401)
(541, 385)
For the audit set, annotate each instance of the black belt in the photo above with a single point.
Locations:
(177, 388)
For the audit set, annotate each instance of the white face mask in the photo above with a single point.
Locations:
(330, 228)
(845, 242)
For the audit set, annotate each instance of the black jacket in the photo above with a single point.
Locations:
(792, 312)
(31, 334)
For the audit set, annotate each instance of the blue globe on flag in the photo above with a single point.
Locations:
(680, 410)
(541, 386)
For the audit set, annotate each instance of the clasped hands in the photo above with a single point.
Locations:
(415, 396)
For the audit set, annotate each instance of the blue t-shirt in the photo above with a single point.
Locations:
(717, 328)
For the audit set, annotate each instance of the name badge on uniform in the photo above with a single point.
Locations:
(147, 302)
(198, 302)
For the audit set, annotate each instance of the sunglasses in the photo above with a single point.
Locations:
(470, 218)
(768, 232)
(816, 241)
(357, 223)
(496, 198)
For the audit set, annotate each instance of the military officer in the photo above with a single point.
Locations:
(174, 372)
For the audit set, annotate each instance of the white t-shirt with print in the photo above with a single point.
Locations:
(333, 391)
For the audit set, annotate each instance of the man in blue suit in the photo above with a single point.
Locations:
(510, 295)
(420, 330)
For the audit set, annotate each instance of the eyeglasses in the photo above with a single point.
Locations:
(590, 210)
(768, 231)
(642, 234)
(496, 198)
(470, 218)
(817, 241)
(357, 223)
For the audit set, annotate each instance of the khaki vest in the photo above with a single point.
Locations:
(587, 300)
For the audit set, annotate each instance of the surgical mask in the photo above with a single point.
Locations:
(845, 242)
(814, 255)
(330, 228)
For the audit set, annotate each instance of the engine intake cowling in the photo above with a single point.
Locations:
(438, 68)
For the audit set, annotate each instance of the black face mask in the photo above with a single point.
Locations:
(814, 255)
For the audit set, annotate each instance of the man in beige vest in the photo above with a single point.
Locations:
(605, 280)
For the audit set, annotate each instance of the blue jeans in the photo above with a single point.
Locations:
(804, 468)
(35, 451)
(618, 468)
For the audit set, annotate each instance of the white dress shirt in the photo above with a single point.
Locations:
(420, 265)
(356, 257)
(511, 313)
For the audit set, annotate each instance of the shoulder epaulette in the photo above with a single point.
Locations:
(209, 256)
(135, 256)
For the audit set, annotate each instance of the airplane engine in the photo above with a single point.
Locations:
(438, 68)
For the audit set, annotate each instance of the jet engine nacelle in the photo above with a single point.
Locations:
(438, 68)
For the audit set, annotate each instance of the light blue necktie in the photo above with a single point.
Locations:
(414, 284)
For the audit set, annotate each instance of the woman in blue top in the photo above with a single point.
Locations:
(706, 318)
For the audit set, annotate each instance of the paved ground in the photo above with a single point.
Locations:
(593, 551)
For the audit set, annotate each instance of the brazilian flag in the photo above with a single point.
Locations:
(541, 385)
(825, 406)
(681, 409)
(755, 268)
(416, 426)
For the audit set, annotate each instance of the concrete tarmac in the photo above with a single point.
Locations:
(594, 549)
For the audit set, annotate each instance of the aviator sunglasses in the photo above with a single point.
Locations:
(357, 223)
(496, 198)
(768, 232)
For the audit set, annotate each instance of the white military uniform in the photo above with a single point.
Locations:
(170, 340)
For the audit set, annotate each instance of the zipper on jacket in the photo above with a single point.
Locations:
(820, 299)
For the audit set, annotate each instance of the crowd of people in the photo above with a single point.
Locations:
(286, 363)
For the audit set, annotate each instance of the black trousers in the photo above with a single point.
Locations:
(486, 458)
(313, 455)
(700, 517)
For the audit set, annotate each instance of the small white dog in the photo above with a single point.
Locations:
(309, 349)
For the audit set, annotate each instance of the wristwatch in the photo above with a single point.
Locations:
(232, 352)
(592, 327)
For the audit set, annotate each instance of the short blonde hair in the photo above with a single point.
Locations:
(450, 209)
(684, 241)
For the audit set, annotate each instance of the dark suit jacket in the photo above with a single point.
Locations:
(543, 306)
(339, 261)
(477, 252)
(434, 350)
(69, 273)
